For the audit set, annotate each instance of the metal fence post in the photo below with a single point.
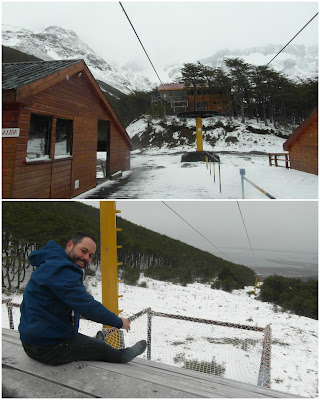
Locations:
(264, 378)
(242, 173)
(149, 314)
(10, 315)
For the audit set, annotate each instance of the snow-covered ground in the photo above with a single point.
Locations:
(162, 175)
(294, 361)
(158, 173)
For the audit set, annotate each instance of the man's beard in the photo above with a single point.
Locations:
(74, 259)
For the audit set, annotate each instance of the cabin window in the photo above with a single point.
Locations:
(39, 140)
(63, 137)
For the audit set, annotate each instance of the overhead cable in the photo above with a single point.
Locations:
(292, 39)
(255, 262)
(197, 231)
(141, 43)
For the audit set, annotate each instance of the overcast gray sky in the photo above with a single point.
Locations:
(275, 226)
(171, 32)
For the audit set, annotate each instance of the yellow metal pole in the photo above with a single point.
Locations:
(199, 133)
(109, 261)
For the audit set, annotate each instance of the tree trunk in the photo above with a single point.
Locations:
(242, 111)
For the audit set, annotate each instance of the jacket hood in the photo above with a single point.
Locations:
(51, 251)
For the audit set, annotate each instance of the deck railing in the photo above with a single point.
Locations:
(279, 159)
(194, 334)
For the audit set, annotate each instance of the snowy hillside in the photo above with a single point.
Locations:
(219, 134)
(56, 43)
(294, 355)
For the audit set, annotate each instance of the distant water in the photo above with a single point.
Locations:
(292, 264)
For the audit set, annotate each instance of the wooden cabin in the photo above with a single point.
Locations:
(184, 99)
(55, 119)
(302, 145)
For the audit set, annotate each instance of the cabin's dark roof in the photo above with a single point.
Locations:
(15, 75)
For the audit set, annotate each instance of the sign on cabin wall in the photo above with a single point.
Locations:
(10, 132)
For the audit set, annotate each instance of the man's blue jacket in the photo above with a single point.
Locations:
(54, 292)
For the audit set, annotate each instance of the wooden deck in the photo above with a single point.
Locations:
(24, 377)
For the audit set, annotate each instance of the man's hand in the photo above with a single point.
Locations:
(126, 324)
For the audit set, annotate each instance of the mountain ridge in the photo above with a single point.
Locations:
(54, 42)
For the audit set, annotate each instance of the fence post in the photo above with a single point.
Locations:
(264, 378)
(122, 344)
(149, 314)
(287, 160)
(10, 316)
(242, 173)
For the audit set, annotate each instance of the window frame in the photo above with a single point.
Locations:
(48, 136)
(69, 139)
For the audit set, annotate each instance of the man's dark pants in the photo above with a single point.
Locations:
(79, 348)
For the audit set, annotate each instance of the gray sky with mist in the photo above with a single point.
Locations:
(171, 32)
(272, 226)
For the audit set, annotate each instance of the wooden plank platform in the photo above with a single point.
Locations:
(24, 377)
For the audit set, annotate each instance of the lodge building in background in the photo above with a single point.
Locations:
(181, 98)
(55, 119)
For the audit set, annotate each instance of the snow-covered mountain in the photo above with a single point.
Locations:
(53, 43)
(56, 43)
(295, 61)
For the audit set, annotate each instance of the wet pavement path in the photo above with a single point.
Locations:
(155, 176)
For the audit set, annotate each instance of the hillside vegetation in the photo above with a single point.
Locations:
(292, 294)
(162, 258)
(29, 225)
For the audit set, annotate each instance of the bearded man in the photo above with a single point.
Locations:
(53, 301)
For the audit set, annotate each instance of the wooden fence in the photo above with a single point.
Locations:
(278, 159)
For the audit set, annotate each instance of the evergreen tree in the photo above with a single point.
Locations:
(240, 74)
(292, 294)
(191, 77)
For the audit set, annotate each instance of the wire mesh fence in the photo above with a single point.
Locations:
(233, 351)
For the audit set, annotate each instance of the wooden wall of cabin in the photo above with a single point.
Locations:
(10, 119)
(215, 102)
(75, 99)
(304, 150)
(120, 157)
